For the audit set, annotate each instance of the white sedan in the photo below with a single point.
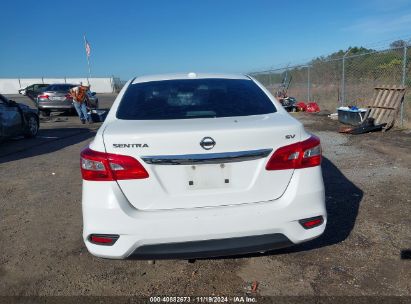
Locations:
(199, 165)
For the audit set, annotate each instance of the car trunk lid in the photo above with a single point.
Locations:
(229, 169)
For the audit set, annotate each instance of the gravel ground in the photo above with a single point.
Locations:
(368, 194)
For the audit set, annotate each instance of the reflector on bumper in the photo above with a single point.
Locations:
(103, 239)
(311, 222)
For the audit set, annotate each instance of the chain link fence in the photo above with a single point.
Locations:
(345, 79)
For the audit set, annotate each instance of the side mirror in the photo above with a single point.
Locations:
(93, 93)
(12, 103)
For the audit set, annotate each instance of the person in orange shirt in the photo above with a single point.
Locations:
(79, 101)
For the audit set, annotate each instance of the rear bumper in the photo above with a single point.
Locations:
(213, 248)
(200, 232)
(55, 107)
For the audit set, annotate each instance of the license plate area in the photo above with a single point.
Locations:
(208, 176)
(57, 98)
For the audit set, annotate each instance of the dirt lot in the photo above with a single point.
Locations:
(368, 194)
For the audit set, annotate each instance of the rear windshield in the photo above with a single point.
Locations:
(193, 98)
(59, 87)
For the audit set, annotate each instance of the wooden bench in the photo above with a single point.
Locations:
(387, 102)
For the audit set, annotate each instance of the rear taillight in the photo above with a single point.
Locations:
(312, 222)
(300, 155)
(103, 239)
(68, 96)
(99, 166)
(43, 96)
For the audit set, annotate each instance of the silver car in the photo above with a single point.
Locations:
(56, 97)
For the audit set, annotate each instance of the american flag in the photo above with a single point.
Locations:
(87, 45)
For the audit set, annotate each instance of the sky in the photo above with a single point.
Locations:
(44, 38)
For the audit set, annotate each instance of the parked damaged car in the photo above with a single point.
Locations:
(17, 119)
(183, 161)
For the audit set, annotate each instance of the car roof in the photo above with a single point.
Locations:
(182, 76)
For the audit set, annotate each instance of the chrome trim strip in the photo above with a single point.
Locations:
(212, 158)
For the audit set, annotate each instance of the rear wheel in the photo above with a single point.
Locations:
(32, 126)
(72, 112)
(45, 113)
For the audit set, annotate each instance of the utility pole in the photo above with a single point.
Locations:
(404, 75)
(308, 84)
(343, 78)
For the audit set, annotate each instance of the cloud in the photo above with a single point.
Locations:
(381, 24)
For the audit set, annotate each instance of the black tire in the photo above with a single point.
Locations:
(32, 126)
(45, 113)
(72, 112)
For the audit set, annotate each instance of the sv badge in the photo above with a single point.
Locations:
(290, 136)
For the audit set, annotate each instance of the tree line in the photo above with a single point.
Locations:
(361, 65)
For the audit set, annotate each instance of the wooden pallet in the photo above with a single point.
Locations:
(387, 102)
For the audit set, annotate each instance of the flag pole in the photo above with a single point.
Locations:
(88, 60)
